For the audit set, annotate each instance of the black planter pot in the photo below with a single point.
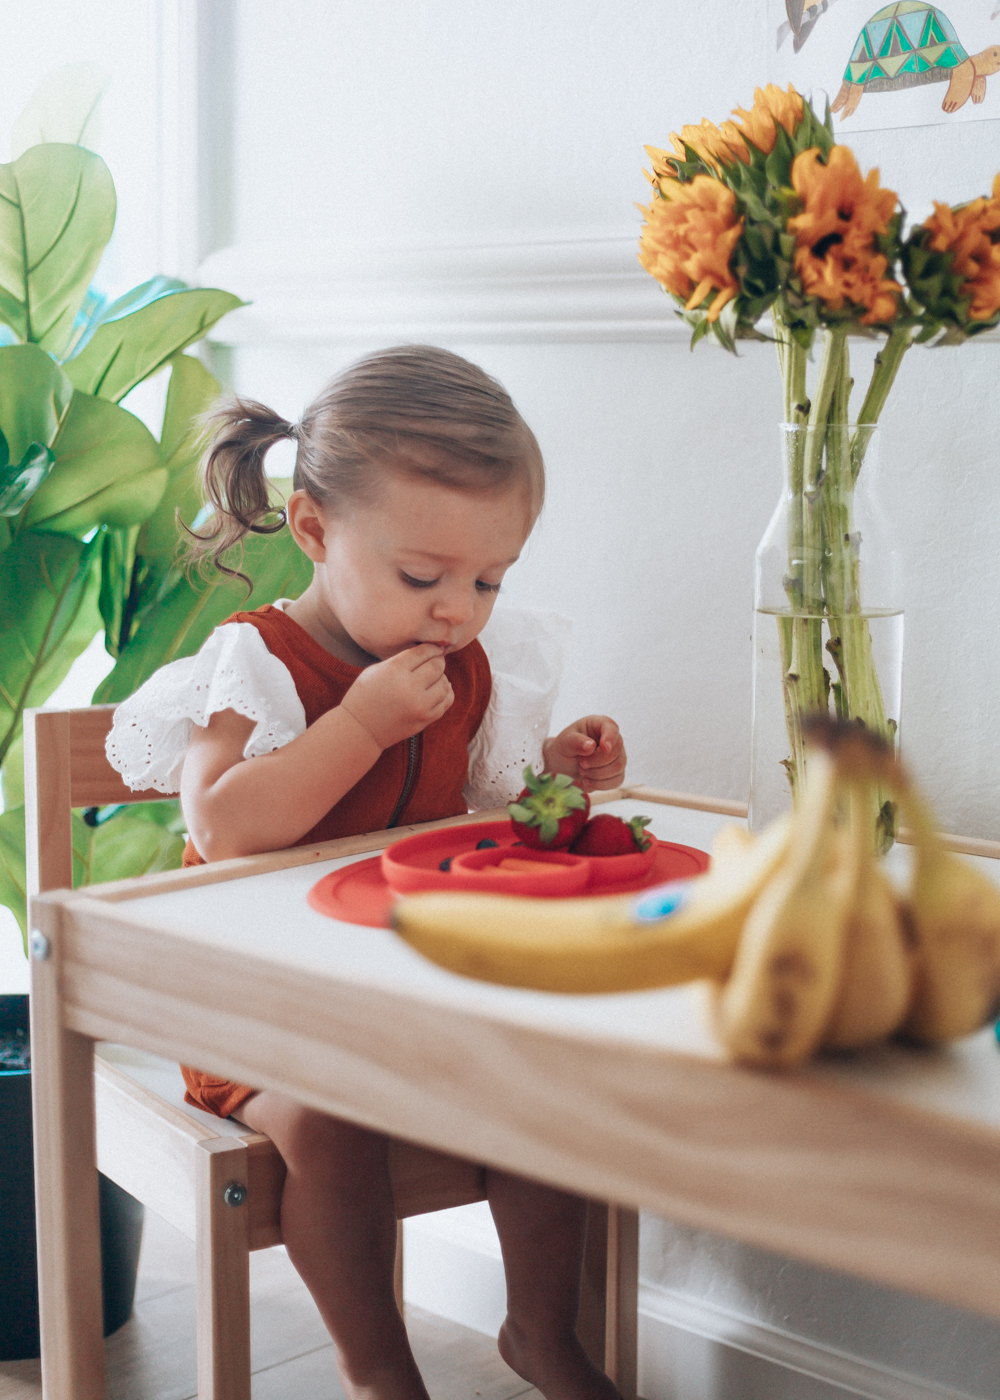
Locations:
(121, 1217)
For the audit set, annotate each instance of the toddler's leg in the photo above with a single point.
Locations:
(338, 1224)
(541, 1234)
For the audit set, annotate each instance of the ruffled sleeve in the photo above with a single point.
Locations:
(233, 671)
(526, 648)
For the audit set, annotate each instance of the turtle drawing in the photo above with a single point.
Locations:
(910, 43)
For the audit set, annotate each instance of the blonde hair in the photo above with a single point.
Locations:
(415, 410)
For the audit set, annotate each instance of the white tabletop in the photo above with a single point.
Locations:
(273, 921)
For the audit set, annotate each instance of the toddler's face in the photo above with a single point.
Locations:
(421, 563)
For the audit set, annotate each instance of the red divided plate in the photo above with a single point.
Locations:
(363, 893)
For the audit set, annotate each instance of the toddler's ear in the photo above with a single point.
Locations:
(308, 525)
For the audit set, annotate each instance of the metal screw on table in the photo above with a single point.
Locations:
(40, 946)
(234, 1194)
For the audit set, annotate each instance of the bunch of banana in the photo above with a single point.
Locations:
(832, 956)
(804, 939)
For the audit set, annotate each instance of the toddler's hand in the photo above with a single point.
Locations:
(590, 750)
(397, 698)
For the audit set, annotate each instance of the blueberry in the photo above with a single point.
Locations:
(445, 864)
(486, 844)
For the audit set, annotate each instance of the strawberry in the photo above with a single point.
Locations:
(550, 810)
(605, 835)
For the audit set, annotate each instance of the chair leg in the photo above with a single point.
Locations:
(622, 1326)
(609, 1295)
(397, 1271)
(223, 1252)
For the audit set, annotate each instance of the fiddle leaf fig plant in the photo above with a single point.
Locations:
(91, 503)
(87, 494)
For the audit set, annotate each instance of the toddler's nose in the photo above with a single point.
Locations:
(454, 607)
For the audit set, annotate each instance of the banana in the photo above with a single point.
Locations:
(955, 912)
(670, 934)
(787, 971)
(877, 979)
(730, 840)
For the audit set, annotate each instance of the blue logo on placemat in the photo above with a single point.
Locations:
(666, 899)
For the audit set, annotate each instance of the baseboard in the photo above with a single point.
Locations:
(689, 1349)
(671, 1324)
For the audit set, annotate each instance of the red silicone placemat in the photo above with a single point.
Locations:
(359, 894)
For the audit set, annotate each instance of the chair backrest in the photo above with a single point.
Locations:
(65, 766)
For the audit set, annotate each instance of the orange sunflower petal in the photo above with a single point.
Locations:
(771, 108)
(971, 234)
(688, 240)
(837, 256)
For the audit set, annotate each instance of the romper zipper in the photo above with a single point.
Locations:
(411, 773)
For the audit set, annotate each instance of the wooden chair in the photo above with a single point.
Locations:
(184, 1164)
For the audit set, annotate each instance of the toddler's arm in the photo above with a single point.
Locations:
(236, 806)
(590, 750)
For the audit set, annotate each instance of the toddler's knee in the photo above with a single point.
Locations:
(314, 1137)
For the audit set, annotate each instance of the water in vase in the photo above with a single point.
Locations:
(770, 787)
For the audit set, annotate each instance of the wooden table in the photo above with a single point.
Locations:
(886, 1166)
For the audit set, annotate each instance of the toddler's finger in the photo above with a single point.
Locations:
(442, 700)
(423, 653)
(609, 736)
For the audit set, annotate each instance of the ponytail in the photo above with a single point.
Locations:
(240, 432)
(414, 410)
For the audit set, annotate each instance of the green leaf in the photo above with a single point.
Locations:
(57, 212)
(108, 471)
(190, 608)
(12, 775)
(191, 393)
(20, 482)
(13, 880)
(134, 842)
(65, 106)
(131, 342)
(53, 580)
(118, 570)
(35, 397)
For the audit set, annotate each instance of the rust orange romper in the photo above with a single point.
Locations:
(418, 780)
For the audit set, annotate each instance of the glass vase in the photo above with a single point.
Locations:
(828, 613)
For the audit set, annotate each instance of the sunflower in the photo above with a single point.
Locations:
(688, 241)
(837, 234)
(715, 146)
(771, 108)
(971, 235)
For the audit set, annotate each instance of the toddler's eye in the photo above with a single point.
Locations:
(418, 582)
(487, 587)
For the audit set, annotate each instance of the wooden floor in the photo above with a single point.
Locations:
(152, 1356)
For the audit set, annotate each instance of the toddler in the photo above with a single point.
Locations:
(366, 703)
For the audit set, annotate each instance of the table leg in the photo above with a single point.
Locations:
(66, 1199)
(609, 1297)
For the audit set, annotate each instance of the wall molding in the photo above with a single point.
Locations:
(661, 1308)
(175, 51)
(561, 286)
(452, 1267)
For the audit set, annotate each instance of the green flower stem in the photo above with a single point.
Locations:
(823, 581)
(887, 363)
